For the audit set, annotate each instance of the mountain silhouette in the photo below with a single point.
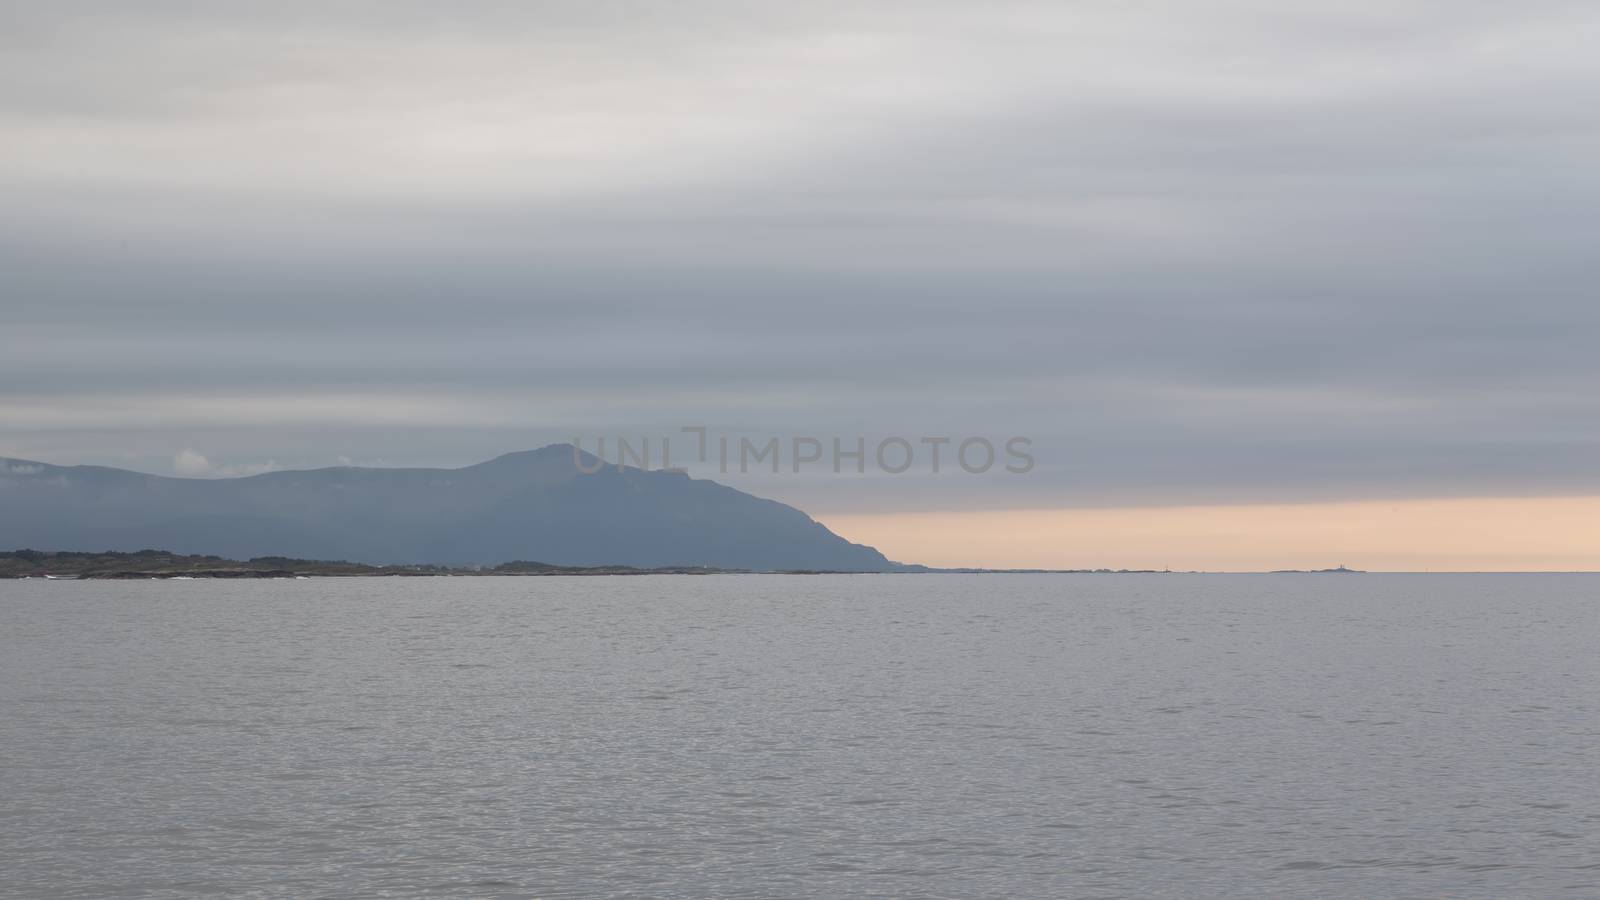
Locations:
(532, 505)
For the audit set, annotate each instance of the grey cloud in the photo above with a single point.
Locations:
(1210, 251)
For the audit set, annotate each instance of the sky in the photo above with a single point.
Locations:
(1218, 263)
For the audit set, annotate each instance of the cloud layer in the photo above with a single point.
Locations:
(1199, 252)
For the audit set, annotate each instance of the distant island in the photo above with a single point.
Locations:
(1336, 570)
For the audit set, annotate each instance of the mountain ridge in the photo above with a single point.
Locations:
(530, 504)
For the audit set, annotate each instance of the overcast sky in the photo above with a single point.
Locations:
(1198, 252)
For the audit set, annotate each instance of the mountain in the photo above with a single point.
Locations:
(533, 505)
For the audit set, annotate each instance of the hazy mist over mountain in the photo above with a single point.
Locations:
(536, 505)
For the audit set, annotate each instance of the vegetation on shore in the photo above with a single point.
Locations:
(164, 564)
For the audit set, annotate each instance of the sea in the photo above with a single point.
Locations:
(750, 736)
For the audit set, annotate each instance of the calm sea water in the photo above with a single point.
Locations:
(830, 736)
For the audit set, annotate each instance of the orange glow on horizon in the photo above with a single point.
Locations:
(1488, 534)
